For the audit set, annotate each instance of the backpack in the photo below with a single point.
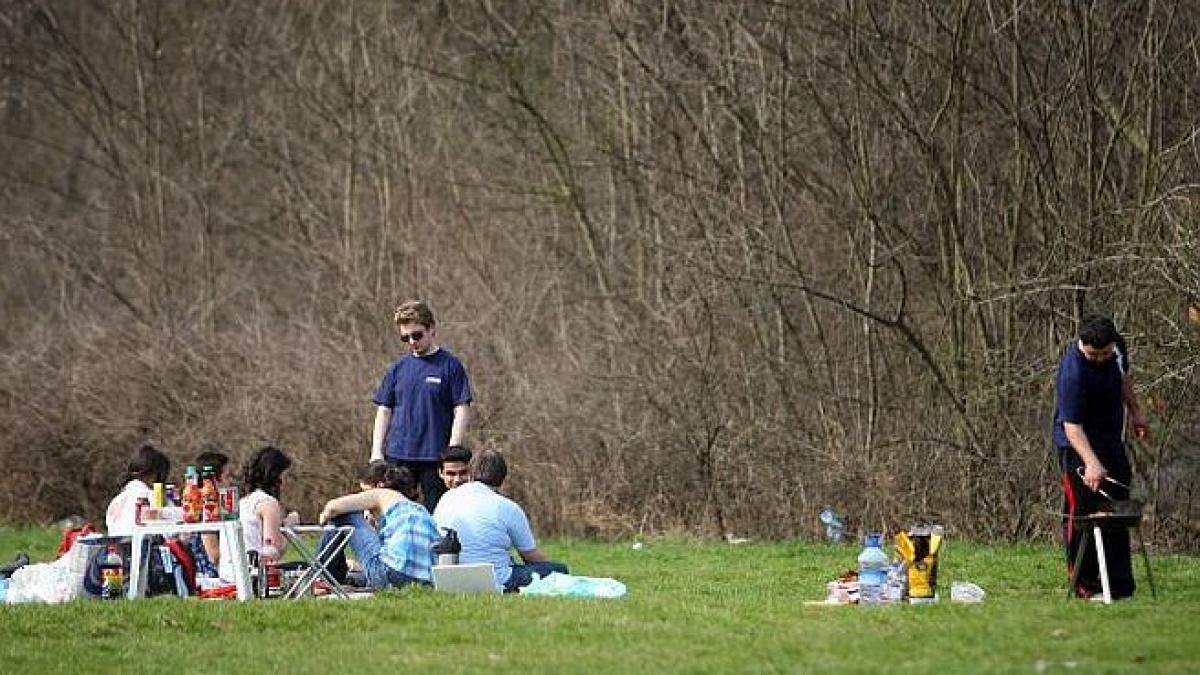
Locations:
(170, 568)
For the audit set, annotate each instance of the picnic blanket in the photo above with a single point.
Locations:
(570, 585)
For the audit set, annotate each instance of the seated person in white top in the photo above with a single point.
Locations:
(147, 466)
(259, 510)
(489, 525)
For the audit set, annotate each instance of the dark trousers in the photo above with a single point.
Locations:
(1078, 501)
(522, 575)
(426, 473)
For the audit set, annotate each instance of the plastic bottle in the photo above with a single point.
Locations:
(834, 529)
(192, 499)
(210, 500)
(896, 588)
(873, 566)
(448, 547)
(112, 575)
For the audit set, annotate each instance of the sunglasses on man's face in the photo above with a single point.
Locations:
(414, 336)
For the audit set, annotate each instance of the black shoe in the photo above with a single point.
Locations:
(7, 569)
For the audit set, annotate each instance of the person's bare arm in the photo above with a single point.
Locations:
(1141, 430)
(212, 546)
(367, 500)
(1093, 470)
(270, 512)
(533, 555)
(383, 418)
(458, 429)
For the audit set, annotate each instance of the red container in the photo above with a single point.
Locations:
(229, 503)
(142, 504)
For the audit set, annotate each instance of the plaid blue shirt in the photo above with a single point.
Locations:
(408, 534)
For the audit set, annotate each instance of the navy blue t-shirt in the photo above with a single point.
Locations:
(1089, 394)
(422, 392)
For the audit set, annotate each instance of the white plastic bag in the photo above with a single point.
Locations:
(569, 585)
(52, 582)
(41, 582)
(965, 591)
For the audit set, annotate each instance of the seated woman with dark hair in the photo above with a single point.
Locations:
(400, 552)
(147, 467)
(260, 511)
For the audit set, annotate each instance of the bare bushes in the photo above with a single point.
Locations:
(74, 418)
(712, 267)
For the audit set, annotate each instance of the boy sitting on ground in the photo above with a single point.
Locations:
(489, 525)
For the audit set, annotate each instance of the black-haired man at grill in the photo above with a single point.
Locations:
(1089, 419)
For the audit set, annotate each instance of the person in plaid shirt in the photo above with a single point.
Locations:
(399, 551)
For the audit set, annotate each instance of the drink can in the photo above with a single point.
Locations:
(140, 506)
(270, 581)
(172, 495)
(229, 503)
(160, 495)
(274, 579)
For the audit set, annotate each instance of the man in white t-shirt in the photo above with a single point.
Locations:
(490, 525)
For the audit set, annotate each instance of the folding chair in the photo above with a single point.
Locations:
(317, 560)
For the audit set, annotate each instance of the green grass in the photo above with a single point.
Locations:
(692, 607)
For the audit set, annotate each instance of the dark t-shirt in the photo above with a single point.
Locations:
(1089, 394)
(422, 392)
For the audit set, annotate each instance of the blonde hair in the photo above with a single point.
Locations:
(413, 311)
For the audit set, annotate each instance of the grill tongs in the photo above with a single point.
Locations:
(1121, 511)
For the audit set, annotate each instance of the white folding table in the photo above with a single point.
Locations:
(230, 530)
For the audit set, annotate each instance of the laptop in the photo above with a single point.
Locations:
(469, 578)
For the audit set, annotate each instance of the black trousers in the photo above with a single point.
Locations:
(428, 479)
(1079, 500)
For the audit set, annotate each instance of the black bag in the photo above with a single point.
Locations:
(170, 569)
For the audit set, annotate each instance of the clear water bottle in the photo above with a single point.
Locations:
(834, 529)
(873, 566)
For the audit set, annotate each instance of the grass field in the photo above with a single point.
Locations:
(692, 607)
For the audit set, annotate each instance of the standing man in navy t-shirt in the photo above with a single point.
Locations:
(422, 403)
(1093, 393)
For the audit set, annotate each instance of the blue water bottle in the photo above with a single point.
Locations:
(834, 528)
(872, 571)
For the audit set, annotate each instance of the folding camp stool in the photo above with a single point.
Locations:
(317, 560)
(1099, 522)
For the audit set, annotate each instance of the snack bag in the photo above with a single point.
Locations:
(919, 548)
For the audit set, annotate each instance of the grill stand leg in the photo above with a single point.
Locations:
(1102, 564)
(1085, 537)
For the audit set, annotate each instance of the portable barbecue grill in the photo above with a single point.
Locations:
(1126, 513)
